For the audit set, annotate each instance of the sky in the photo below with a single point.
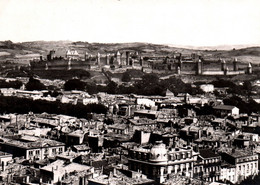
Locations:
(175, 22)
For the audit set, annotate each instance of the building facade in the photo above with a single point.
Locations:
(207, 166)
(159, 162)
(34, 150)
(244, 162)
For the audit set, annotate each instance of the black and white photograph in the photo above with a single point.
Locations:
(129, 92)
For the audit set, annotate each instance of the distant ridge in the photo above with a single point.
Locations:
(10, 49)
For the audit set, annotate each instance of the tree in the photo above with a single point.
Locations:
(91, 88)
(34, 84)
(150, 79)
(112, 88)
(74, 84)
(11, 84)
(126, 77)
(247, 86)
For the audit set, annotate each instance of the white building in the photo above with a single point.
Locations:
(207, 87)
(60, 170)
(8, 91)
(224, 110)
(32, 148)
(244, 164)
(4, 159)
(159, 162)
(228, 172)
(146, 102)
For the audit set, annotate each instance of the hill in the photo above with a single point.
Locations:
(10, 50)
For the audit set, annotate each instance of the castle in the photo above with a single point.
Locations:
(179, 64)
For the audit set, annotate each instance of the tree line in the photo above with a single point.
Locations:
(24, 105)
(149, 85)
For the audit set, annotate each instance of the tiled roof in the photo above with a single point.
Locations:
(224, 107)
(206, 153)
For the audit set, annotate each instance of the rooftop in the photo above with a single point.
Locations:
(81, 147)
(77, 133)
(118, 126)
(39, 143)
(224, 107)
(63, 167)
(240, 153)
(207, 153)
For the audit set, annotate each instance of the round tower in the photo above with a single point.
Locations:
(69, 65)
(127, 53)
(98, 59)
(46, 66)
(86, 56)
(118, 58)
(199, 67)
(223, 65)
(180, 62)
(133, 62)
(107, 59)
(226, 71)
(178, 70)
(52, 54)
(141, 61)
(235, 68)
(249, 68)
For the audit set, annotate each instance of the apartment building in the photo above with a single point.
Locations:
(159, 162)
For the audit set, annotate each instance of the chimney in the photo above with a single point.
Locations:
(114, 171)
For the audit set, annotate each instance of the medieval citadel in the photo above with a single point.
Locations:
(178, 63)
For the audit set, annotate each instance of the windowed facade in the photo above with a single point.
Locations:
(31, 153)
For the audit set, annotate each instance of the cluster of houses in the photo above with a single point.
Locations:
(141, 140)
(73, 96)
